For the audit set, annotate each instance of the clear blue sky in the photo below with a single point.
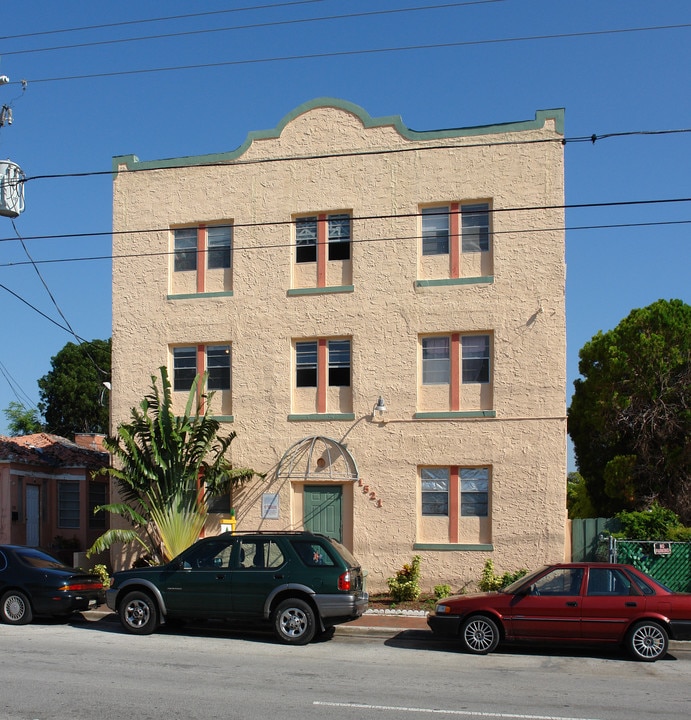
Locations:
(561, 54)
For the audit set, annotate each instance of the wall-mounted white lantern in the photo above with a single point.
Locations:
(379, 409)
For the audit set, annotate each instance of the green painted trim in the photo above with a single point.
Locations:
(445, 547)
(321, 417)
(223, 418)
(455, 415)
(296, 292)
(196, 296)
(483, 279)
(132, 162)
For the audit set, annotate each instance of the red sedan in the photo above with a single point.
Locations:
(571, 603)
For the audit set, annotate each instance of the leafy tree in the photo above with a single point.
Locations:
(655, 523)
(630, 416)
(577, 499)
(168, 468)
(72, 393)
(22, 420)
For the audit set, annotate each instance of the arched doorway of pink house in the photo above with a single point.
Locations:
(322, 473)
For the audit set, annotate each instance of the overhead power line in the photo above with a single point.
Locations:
(363, 153)
(356, 53)
(43, 282)
(22, 398)
(40, 312)
(250, 26)
(158, 19)
(69, 327)
(356, 241)
(361, 218)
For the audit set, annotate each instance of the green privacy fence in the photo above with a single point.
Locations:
(667, 562)
(672, 568)
(585, 538)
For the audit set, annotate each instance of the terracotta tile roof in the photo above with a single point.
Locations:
(46, 449)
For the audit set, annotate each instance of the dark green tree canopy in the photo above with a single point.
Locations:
(72, 393)
(630, 415)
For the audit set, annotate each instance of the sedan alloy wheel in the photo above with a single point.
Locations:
(16, 609)
(480, 635)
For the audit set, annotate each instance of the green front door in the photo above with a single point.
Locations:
(323, 510)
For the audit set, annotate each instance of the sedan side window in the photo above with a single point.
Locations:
(608, 581)
(561, 581)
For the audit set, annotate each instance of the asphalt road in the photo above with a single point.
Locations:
(93, 670)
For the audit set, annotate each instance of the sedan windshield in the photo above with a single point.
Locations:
(526, 579)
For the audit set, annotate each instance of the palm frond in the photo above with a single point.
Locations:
(168, 465)
(114, 536)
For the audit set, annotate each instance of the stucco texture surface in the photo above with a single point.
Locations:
(334, 158)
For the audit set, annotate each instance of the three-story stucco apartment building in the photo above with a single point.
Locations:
(381, 314)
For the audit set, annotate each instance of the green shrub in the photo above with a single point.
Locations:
(679, 534)
(655, 523)
(406, 585)
(442, 591)
(490, 582)
(102, 572)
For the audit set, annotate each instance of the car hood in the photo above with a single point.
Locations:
(152, 571)
(469, 596)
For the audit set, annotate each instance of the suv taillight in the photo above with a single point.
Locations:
(344, 581)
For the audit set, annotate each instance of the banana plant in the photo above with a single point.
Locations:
(166, 468)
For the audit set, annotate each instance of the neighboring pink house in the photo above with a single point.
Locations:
(48, 490)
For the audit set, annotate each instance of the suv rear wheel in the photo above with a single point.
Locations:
(294, 622)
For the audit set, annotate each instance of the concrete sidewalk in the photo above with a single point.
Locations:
(392, 621)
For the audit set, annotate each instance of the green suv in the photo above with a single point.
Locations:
(302, 583)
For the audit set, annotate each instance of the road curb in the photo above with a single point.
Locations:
(371, 624)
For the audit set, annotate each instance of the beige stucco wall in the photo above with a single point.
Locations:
(521, 308)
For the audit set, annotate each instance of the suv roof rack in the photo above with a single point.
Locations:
(279, 532)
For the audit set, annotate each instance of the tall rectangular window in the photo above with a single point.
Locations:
(306, 239)
(98, 495)
(218, 367)
(185, 240)
(435, 231)
(339, 237)
(436, 366)
(68, 504)
(475, 359)
(339, 363)
(184, 367)
(306, 364)
(307, 360)
(474, 492)
(216, 359)
(218, 242)
(435, 491)
(475, 228)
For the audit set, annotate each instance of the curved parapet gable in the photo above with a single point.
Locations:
(132, 162)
